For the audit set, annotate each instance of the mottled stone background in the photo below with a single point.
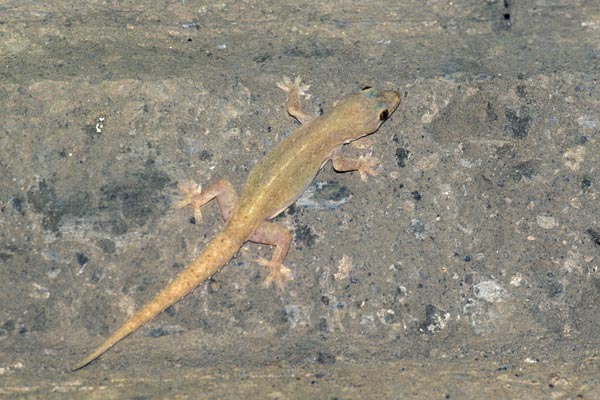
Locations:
(467, 269)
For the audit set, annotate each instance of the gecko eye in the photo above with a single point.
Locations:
(365, 88)
(383, 115)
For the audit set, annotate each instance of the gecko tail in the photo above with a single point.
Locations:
(217, 253)
(110, 342)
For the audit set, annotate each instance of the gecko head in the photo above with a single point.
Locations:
(366, 111)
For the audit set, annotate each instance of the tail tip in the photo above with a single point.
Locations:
(82, 364)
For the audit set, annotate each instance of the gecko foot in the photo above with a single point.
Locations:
(289, 86)
(278, 273)
(368, 165)
(191, 196)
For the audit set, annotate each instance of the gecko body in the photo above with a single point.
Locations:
(272, 186)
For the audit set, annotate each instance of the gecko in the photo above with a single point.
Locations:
(271, 187)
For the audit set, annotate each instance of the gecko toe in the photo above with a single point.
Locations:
(279, 274)
(369, 165)
(191, 193)
(287, 85)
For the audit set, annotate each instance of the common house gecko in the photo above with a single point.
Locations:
(272, 186)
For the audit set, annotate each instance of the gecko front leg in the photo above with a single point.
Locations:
(365, 165)
(295, 90)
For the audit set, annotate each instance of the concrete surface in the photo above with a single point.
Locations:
(468, 269)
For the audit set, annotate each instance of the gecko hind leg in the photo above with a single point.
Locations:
(267, 233)
(274, 235)
(194, 196)
(295, 90)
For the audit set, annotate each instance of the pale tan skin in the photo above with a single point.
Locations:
(272, 186)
